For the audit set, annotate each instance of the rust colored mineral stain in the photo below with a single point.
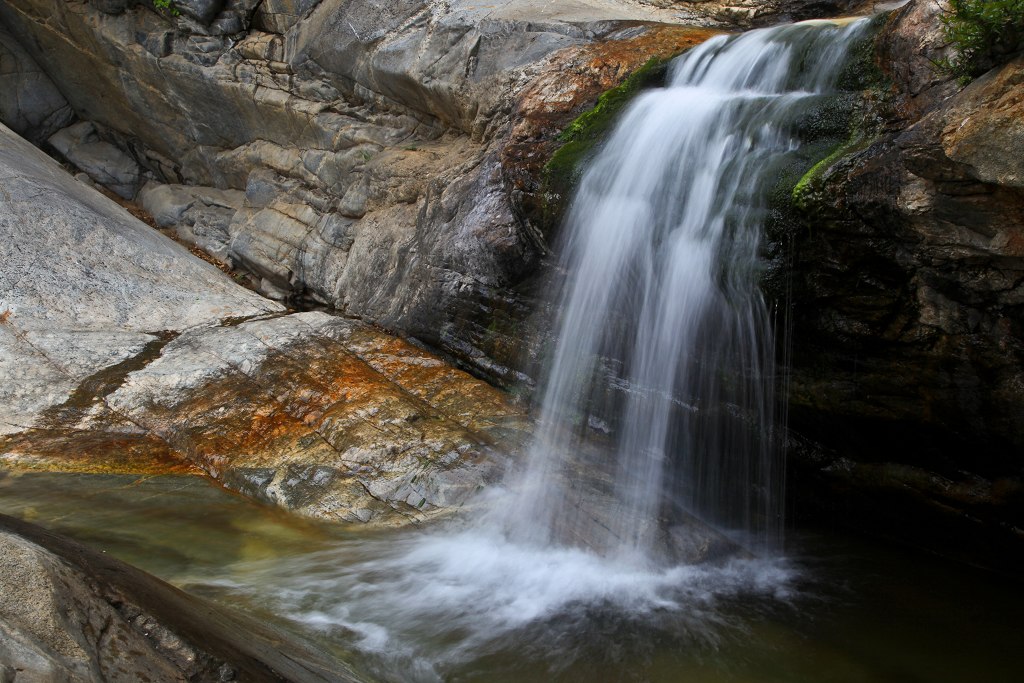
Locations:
(91, 452)
(570, 85)
(370, 405)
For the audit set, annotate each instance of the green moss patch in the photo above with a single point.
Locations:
(581, 137)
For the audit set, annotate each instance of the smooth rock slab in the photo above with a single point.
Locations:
(85, 286)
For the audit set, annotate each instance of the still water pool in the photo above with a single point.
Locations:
(453, 604)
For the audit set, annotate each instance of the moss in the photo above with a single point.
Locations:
(595, 123)
(811, 180)
(581, 137)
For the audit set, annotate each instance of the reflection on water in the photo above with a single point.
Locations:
(455, 605)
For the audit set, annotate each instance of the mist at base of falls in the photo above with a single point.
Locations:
(431, 604)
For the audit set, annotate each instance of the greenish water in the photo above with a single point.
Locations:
(449, 604)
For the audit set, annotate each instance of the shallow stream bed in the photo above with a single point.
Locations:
(455, 604)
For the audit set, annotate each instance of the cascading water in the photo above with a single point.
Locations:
(665, 339)
(665, 344)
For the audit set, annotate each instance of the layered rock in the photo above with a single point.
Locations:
(748, 13)
(368, 138)
(126, 353)
(72, 614)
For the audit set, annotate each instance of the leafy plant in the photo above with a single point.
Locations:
(167, 6)
(984, 34)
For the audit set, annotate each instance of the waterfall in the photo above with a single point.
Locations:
(664, 352)
(657, 416)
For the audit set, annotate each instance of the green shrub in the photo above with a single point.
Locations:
(984, 34)
(166, 5)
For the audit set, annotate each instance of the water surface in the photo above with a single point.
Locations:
(447, 604)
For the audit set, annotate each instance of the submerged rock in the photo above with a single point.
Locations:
(72, 614)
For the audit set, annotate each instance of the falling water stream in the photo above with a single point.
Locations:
(665, 339)
(658, 415)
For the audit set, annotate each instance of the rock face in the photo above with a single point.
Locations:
(368, 138)
(125, 352)
(72, 614)
(908, 349)
(748, 13)
(373, 140)
(32, 105)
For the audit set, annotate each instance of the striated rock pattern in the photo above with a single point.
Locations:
(124, 352)
(72, 614)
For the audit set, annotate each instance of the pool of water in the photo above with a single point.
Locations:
(455, 603)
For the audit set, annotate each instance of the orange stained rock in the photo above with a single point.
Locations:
(92, 452)
(576, 76)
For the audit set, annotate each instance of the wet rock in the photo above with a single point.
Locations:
(323, 416)
(908, 353)
(102, 161)
(70, 613)
(32, 106)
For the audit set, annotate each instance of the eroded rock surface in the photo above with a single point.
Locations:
(124, 352)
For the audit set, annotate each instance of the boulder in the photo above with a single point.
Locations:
(102, 161)
(72, 614)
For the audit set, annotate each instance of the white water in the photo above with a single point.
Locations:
(665, 344)
(665, 339)
(420, 607)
